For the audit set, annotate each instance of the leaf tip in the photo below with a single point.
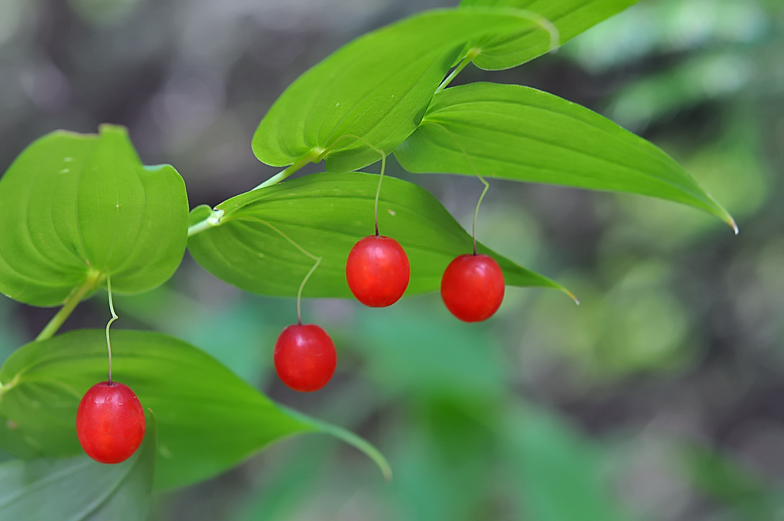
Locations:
(734, 225)
(569, 293)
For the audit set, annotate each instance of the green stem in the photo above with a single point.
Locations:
(70, 304)
(473, 53)
(305, 252)
(378, 190)
(109, 324)
(476, 211)
(210, 222)
(314, 156)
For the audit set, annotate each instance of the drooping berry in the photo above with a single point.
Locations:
(110, 422)
(305, 357)
(377, 271)
(473, 287)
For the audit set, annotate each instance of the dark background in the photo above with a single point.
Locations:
(659, 397)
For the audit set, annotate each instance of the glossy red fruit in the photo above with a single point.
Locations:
(377, 271)
(305, 357)
(110, 422)
(473, 287)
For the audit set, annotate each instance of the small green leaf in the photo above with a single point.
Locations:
(208, 418)
(519, 133)
(376, 88)
(80, 489)
(326, 214)
(559, 22)
(78, 207)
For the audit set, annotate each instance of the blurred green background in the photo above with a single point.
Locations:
(658, 398)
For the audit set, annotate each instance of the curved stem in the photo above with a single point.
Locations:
(109, 324)
(302, 286)
(473, 167)
(476, 211)
(305, 252)
(69, 305)
(381, 176)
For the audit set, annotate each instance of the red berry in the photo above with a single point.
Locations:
(473, 287)
(377, 271)
(110, 422)
(305, 357)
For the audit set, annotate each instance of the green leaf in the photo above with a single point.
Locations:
(80, 489)
(78, 207)
(559, 21)
(519, 133)
(208, 418)
(375, 88)
(326, 214)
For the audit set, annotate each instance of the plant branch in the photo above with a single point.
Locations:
(473, 53)
(210, 222)
(314, 156)
(69, 305)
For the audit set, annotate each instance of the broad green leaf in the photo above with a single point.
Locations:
(326, 214)
(522, 134)
(559, 22)
(80, 489)
(77, 207)
(208, 418)
(372, 92)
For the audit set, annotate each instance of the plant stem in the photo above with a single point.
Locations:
(473, 53)
(210, 222)
(381, 176)
(305, 252)
(476, 211)
(109, 324)
(314, 156)
(69, 305)
(478, 175)
(378, 190)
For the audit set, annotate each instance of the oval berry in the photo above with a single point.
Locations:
(473, 287)
(377, 271)
(110, 422)
(305, 357)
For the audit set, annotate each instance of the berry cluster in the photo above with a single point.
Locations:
(110, 420)
(378, 272)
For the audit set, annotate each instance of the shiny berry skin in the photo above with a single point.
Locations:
(110, 422)
(305, 357)
(473, 287)
(377, 271)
